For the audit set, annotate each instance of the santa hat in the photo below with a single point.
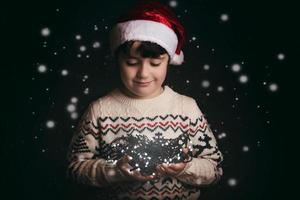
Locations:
(154, 22)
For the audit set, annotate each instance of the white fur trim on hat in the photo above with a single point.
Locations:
(177, 59)
(144, 30)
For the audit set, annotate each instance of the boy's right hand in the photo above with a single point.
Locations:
(134, 175)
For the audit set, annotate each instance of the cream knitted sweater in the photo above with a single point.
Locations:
(116, 115)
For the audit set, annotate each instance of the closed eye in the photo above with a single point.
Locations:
(155, 64)
(131, 63)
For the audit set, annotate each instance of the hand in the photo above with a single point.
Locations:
(134, 175)
(172, 169)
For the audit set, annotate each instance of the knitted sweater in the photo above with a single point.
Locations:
(116, 115)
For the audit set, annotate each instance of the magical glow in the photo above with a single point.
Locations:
(245, 148)
(243, 79)
(78, 37)
(74, 115)
(220, 88)
(96, 45)
(273, 87)
(74, 99)
(45, 32)
(86, 91)
(64, 72)
(206, 67)
(42, 68)
(222, 135)
(82, 48)
(232, 182)
(50, 124)
(236, 67)
(280, 56)
(224, 17)
(173, 3)
(205, 84)
(71, 108)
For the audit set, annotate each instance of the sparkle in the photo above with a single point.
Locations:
(222, 135)
(50, 124)
(243, 79)
(220, 88)
(273, 87)
(258, 143)
(232, 182)
(78, 37)
(82, 48)
(224, 17)
(64, 72)
(205, 83)
(86, 91)
(245, 148)
(78, 55)
(280, 56)
(194, 38)
(42, 68)
(206, 67)
(74, 99)
(74, 115)
(173, 3)
(71, 108)
(236, 67)
(95, 27)
(96, 44)
(45, 32)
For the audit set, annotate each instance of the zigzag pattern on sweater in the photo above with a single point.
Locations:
(176, 192)
(79, 145)
(105, 128)
(161, 117)
(175, 197)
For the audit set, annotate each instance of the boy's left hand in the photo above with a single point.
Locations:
(171, 169)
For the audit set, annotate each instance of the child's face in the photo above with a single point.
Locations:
(142, 77)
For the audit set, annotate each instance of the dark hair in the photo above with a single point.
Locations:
(146, 49)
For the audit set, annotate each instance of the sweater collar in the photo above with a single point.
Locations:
(144, 104)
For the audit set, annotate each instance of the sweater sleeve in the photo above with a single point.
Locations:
(204, 168)
(85, 166)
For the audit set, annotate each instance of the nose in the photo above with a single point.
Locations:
(143, 71)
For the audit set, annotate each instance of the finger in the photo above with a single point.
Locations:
(185, 150)
(160, 169)
(142, 178)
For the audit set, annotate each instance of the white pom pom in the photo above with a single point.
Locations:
(177, 59)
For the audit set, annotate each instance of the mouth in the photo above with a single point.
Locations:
(142, 83)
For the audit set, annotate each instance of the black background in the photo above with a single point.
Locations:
(33, 157)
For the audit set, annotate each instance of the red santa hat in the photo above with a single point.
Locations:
(154, 22)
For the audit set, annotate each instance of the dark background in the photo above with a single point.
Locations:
(33, 156)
